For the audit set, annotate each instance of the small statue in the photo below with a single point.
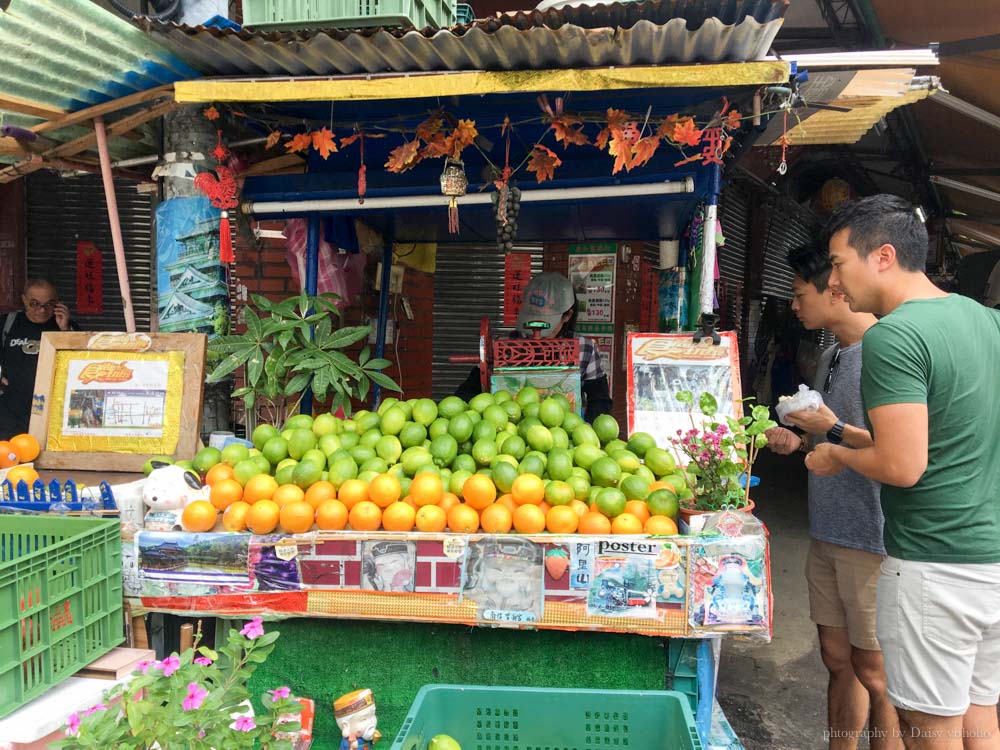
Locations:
(355, 715)
(166, 492)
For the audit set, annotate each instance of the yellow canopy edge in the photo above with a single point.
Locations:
(422, 85)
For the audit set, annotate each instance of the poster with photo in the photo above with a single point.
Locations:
(592, 274)
(388, 565)
(116, 398)
(505, 576)
(625, 579)
(661, 365)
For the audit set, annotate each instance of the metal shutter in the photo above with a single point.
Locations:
(64, 210)
(734, 213)
(468, 286)
(789, 225)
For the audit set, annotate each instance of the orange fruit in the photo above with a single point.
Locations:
(225, 492)
(508, 501)
(463, 519)
(448, 501)
(235, 516)
(199, 516)
(593, 522)
(260, 487)
(25, 446)
(217, 473)
(8, 457)
(319, 492)
(384, 490)
(431, 518)
(661, 485)
(409, 501)
(562, 519)
(365, 515)
(398, 516)
(21, 473)
(639, 509)
(544, 507)
(288, 493)
(426, 489)
(331, 515)
(479, 491)
(660, 525)
(626, 523)
(528, 518)
(296, 517)
(579, 506)
(496, 519)
(263, 516)
(528, 489)
(352, 492)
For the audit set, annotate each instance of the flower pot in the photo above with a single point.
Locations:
(685, 516)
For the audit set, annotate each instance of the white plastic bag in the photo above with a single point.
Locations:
(805, 400)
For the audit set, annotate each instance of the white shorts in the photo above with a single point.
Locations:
(939, 628)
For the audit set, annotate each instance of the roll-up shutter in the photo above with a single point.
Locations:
(468, 286)
(788, 226)
(734, 213)
(65, 210)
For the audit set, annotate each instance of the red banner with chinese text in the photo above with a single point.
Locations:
(89, 279)
(516, 275)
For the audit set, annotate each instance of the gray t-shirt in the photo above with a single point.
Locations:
(844, 509)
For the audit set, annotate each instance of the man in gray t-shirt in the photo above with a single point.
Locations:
(845, 518)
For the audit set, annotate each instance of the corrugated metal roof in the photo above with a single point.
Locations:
(647, 33)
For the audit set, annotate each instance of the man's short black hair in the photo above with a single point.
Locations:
(812, 264)
(883, 220)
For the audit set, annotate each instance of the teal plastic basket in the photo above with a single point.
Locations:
(464, 13)
(312, 14)
(515, 718)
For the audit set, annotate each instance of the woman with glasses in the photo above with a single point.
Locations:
(22, 332)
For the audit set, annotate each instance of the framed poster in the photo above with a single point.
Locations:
(661, 364)
(109, 400)
(592, 274)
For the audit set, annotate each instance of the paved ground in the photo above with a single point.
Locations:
(774, 694)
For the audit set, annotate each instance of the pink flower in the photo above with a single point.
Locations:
(72, 724)
(203, 661)
(195, 697)
(170, 665)
(253, 629)
(144, 666)
(95, 709)
(279, 693)
(245, 724)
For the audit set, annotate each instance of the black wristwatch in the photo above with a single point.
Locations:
(836, 433)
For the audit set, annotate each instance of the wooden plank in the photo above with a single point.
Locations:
(82, 143)
(26, 107)
(86, 115)
(117, 663)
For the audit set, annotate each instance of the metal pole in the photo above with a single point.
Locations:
(116, 227)
(383, 316)
(706, 293)
(312, 276)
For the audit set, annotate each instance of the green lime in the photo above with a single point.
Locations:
(605, 472)
(396, 470)
(300, 441)
(284, 474)
(364, 421)
(361, 453)
(659, 461)
(262, 433)
(559, 493)
(532, 464)
(606, 428)
(513, 410)
(502, 396)
(378, 465)
(349, 425)
(438, 427)
(584, 435)
(370, 438)
(457, 481)
(451, 406)
(563, 401)
(527, 395)
(551, 412)
(464, 461)
(413, 459)
(299, 422)
(404, 485)
(526, 424)
(389, 448)
(484, 429)
(233, 453)
(429, 469)
(503, 458)
(413, 433)
(614, 446)
(407, 407)
(315, 455)
(539, 438)
(306, 474)
(572, 421)
(329, 443)
(349, 439)
(586, 454)
(626, 459)
(186, 465)
(263, 465)
(387, 403)
(662, 502)
(148, 467)
(325, 424)
(393, 420)
(543, 457)
(676, 481)
(341, 470)
(483, 451)
(611, 502)
(640, 442)
(366, 476)
(514, 446)
(580, 485)
(635, 487)
(460, 427)
(504, 475)
(443, 450)
(245, 470)
(560, 438)
(496, 415)
(425, 412)
(474, 416)
(531, 410)
(480, 402)
(560, 464)
(643, 471)
(592, 493)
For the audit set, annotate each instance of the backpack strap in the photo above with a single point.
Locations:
(8, 323)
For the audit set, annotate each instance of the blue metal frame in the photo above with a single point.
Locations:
(383, 316)
(312, 276)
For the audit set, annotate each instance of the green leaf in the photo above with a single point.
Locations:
(684, 397)
(231, 363)
(345, 337)
(364, 355)
(708, 404)
(253, 323)
(761, 413)
(344, 363)
(298, 383)
(385, 381)
(262, 303)
(255, 368)
(378, 364)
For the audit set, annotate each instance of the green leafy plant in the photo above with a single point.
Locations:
(721, 451)
(196, 700)
(293, 345)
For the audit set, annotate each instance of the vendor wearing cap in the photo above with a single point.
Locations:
(549, 298)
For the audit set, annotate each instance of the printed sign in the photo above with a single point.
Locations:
(89, 279)
(592, 274)
(516, 275)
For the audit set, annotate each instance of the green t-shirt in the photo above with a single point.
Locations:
(943, 352)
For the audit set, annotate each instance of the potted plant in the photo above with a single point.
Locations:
(721, 452)
(196, 700)
(293, 345)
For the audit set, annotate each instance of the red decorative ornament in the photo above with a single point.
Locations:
(221, 192)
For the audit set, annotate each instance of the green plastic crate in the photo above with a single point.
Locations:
(60, 600)
(464, 13)
(512, 718)
(311, 14)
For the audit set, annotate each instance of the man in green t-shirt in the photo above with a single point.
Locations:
(929, 369)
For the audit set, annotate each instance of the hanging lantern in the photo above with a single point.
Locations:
(453, 184)
(221, 191)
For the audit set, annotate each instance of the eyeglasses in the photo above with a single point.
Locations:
(34, 304)
(832, 370)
